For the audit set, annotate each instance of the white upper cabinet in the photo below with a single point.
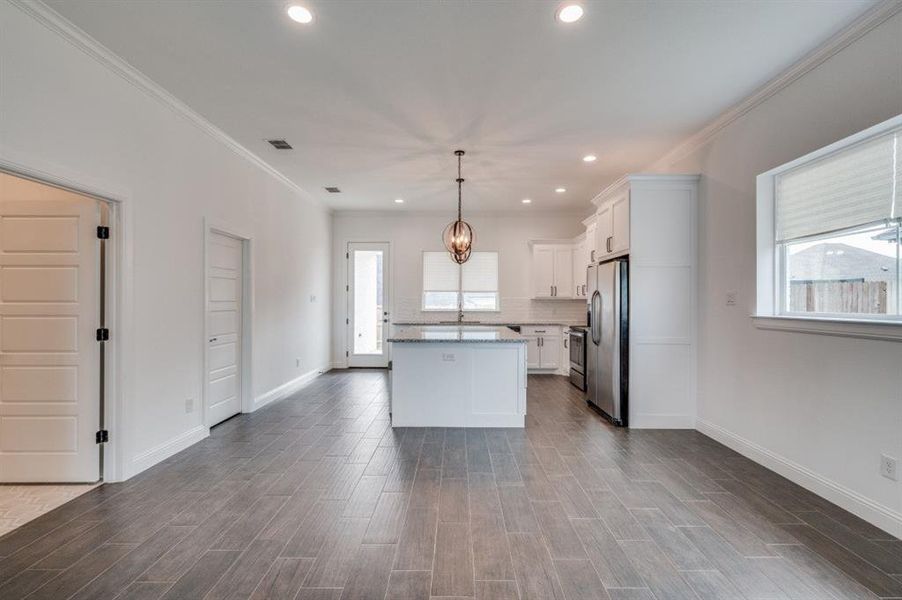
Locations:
(612, 235)
(604, 229)
(591, 246)
(580, 262)
(552, 270)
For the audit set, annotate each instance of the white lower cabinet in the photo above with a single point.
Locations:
(543, 347)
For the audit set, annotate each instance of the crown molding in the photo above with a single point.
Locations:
(857, 29)
(78, 38)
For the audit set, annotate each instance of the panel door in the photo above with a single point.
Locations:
(369, 288)
(225, 273)
(533, 353)
(49, 313)
(563, 272)
(620, 219)
(543, 271)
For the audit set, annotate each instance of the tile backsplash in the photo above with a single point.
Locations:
(514, 310)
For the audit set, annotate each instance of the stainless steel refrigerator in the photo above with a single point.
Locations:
(607, 356)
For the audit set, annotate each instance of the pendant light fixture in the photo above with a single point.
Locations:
(458, 235)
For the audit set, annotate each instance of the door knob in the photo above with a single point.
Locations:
(213, 339)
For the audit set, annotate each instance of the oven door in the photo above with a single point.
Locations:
(578, 351)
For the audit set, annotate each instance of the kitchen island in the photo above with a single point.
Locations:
(451, 376)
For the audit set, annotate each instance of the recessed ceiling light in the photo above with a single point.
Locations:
(589, 158)
(399, 200)
(560, 190)
(300, 14)
(526, 201)
(569, 12)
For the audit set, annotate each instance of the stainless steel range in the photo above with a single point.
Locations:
(577, 339)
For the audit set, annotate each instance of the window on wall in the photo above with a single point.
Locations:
(837, 231)
(472, 285)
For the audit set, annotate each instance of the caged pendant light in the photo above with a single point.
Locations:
(458, 235)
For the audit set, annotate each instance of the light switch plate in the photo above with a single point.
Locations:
(731, 298)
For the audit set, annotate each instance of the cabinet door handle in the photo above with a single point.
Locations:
(592, 256)
(607, 243)
(551, 290)
(577, 290)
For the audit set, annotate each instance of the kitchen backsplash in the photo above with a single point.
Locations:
(514, 310)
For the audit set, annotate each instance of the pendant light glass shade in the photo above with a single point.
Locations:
(459, 236)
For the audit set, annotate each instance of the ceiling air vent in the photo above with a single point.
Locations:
(280, 144)
(333, 190)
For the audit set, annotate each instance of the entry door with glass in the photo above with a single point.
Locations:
(368, 304)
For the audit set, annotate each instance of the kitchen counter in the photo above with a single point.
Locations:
(545, 323)
(457, 376)
(438, 334)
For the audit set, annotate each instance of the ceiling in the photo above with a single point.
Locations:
(375, 96)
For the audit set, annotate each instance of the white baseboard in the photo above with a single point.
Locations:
(876, 514)
(159, 453)
(340, 365)
(287, 388)
(661, 421)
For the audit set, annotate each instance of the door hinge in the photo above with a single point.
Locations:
(103, 334)
(102, 436)
(347, 321)
(347, 288)
(347, 354)
(103, 232)
(347, 255)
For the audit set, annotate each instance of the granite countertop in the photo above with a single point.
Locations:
(488, 324)
(439, 334)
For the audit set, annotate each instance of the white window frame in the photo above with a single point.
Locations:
(460, 308)
(770, 262)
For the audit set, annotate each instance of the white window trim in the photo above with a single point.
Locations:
(424, 291)
(767, 309)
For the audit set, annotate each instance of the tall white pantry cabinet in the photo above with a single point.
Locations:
(652, 220)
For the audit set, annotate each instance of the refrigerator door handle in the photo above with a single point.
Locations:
(595, 316)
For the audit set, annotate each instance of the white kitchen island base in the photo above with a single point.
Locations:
(458, 382)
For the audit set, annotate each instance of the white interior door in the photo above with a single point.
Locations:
(49, 314)
(225, 276)
(368, 304)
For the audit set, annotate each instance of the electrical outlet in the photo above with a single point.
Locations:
(189, 405)
(448, 357)
(731, 298)
(889, 467)
(297, 362)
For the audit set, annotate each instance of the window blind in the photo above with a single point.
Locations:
(480, 273)
(855, 186)
(440, 273)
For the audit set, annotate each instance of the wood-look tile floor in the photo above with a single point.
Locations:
(316, 497)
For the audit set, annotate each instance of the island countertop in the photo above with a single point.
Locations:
(442, 334)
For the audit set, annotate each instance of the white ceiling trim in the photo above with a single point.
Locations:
(854, 31)
(72, 34)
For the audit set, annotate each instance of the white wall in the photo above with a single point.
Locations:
(67, 114)
(411, 233)
(819, 409)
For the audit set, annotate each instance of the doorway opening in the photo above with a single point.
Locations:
(54, 332)
(369, 270)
